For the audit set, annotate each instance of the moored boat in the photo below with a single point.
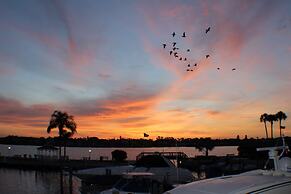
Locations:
(162, 168)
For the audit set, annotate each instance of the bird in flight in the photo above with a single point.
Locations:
(188, 65)
(195, 64)
(184, 34)
(188, 50)
(173, 34)
(207, 30)
(180, 59)
(164, 45)
(207, 56)
(233, 69)
(171, 52)
(174, 44)
(218, 68)
(185, 59)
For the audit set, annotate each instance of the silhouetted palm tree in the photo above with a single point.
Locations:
(205, 145)
(205, 148)
(271, 118)
(264, 118)
(281, 116)
(62, 120)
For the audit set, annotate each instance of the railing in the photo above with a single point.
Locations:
(169, 155)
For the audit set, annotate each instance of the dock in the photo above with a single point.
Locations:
(55, 164)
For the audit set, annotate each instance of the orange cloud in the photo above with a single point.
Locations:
(133, 117)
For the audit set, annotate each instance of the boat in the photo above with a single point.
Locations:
(138, 183)
(272, 181)
(162, 168)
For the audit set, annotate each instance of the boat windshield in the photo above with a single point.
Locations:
(135, 185)
(151, 161)
(120, 184)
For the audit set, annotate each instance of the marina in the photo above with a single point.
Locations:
(100, 175)
(145, 97)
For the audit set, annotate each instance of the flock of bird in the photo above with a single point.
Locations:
(174, 52)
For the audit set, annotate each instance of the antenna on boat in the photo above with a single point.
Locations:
(273, 154)
(284, 145)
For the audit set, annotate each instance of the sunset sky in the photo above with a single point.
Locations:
(104, 63)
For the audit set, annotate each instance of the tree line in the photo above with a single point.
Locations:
(129, 142)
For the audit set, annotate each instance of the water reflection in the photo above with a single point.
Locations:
(34, 182)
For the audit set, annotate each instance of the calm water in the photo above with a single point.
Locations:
(80, 152)
(13, 181)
